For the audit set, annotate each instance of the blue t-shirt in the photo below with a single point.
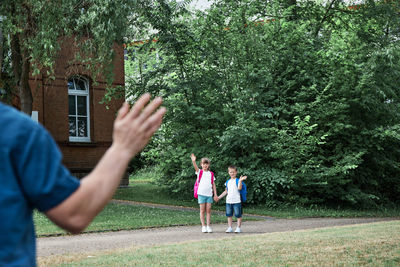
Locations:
(31, 177)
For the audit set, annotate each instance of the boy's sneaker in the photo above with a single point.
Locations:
(209, 230)
(238, 230)
(204, 229)
(229, 230)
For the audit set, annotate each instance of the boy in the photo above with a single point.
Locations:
(205, 191)
(233, 201)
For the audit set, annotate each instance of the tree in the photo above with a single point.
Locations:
(1, 51)
(33, 29)
(303, 98)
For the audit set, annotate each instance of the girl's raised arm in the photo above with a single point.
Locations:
(193, 157)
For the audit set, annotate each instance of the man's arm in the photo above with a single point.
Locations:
(133, 129)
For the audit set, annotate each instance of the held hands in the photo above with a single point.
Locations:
(216, 198)
(134, 126)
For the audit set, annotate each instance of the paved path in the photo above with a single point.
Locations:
(86, 243)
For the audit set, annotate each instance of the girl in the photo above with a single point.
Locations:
(205, 191)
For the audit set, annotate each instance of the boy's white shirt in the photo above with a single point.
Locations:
(205, 186)
(233, 196)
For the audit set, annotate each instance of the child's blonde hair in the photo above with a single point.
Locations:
(205, 160)
(232, 167)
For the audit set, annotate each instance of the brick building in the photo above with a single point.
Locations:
(69, 109)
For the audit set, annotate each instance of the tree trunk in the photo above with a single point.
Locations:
(1, 51)
(21, 69)
(25, 92)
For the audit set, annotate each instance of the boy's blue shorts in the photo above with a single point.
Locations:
(234, 208)
(204, 199)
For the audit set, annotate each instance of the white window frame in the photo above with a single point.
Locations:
(76, 93)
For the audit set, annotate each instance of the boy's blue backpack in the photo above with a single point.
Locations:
(243, 191)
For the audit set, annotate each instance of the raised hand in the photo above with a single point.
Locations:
(242, 178)
(193, 157)
(134, 126)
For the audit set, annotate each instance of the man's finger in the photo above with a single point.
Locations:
(150, 108)
(122, 111)
(151, 125)
(139, 105)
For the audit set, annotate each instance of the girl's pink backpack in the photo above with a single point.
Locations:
(196, 184)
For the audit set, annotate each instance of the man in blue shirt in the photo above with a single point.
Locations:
(32, 176)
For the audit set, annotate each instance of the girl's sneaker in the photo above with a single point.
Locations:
(238, 230)
(229, 230)
(209, 230)
(204, 229)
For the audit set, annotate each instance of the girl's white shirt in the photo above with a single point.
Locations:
(233, 196)
(205, 186)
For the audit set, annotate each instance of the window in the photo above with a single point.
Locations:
(79, 113)
(126, 54)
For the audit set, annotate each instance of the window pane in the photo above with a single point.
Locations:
(81, 105)
(71, 104)
(125, 54)
(78, 120)
(71, 85)
(72, 126)
(133, 55)
(82, 127)
(80, 84)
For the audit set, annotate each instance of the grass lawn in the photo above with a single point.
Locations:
(375, 244)
(124, 217)
(142, 189)
(146, 191)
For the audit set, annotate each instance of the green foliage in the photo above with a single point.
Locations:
(33, 30)
(302, 98)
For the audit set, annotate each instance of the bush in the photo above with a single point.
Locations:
(306, 105)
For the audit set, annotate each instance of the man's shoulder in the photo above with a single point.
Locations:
(10, 117)
(15, 124)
